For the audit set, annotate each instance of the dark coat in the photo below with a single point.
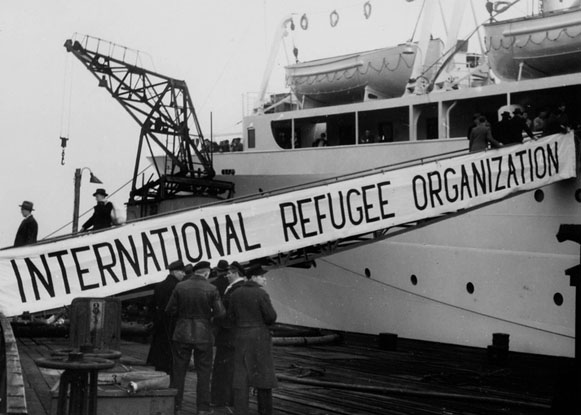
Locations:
(27, 232)
(252, 313)
(101, 218)
(225, 327)
(517, 126)
(221, 283)
(163, 326)
(194, 302)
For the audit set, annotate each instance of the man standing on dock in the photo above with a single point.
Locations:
(223, 372)
(28, 229)
(252, 313)
(195, 302)
(163, 326)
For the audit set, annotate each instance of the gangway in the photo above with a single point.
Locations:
(287, 227)
(163, 108)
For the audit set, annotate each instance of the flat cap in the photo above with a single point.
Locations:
(202, 265)
(176, 265)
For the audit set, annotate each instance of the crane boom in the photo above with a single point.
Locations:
(163, 108)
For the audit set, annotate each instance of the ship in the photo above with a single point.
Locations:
(497, 270)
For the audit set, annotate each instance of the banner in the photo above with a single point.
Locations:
(49, 275)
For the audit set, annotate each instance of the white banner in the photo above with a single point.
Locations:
(49, 275)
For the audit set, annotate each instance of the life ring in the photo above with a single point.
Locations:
(501, 6)
(334, 18)
(367, 10)
(304, 22)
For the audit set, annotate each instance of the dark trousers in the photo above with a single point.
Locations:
(222, 375)
(182, 353)
(264, 398)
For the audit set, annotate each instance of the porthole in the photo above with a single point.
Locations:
(539, 195)
(414, 279)
(578, 195)
(470, 288)
(367, 273)
(558, 299)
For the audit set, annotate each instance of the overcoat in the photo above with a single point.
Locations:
(252, 313)
(195, 302)
(163, 326)
(27, 232)
(101, 218)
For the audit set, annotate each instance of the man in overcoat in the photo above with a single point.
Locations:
(223, 372)
(160, 355)
(252, 313)
(195, 302)
(28, 229)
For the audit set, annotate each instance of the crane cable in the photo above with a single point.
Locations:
(66, 106)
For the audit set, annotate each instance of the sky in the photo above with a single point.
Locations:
(219, 47)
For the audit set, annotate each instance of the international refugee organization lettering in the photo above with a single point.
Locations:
(49, 275)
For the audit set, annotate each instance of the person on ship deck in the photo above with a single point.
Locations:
(103, 213)
(28, 229)
(480, 136)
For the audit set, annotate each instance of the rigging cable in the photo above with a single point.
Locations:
(448, 304)
(418, 21)
(88, 210)
(66, 106)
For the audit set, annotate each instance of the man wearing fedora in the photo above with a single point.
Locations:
(223, 372)
(163, 325)
(194, 302)
(252, 313)
(28, 229)
(103, 213)
(518, 125)
(218, 277)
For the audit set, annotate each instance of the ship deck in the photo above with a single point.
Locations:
(416, 378)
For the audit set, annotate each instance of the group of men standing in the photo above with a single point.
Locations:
(195, 311)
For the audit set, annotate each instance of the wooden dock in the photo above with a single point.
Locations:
(355, 377)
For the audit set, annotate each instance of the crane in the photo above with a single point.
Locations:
(163, 108)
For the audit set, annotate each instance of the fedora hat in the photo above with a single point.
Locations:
(222, 267)
(236, 267)
(100, 191)
(26, 205)
(255, 269)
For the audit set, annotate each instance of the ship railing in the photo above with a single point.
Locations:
(12, 395)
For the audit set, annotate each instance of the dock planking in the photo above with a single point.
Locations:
(418, 378)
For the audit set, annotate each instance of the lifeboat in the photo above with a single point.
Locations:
(538, 46)
(379, 73)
